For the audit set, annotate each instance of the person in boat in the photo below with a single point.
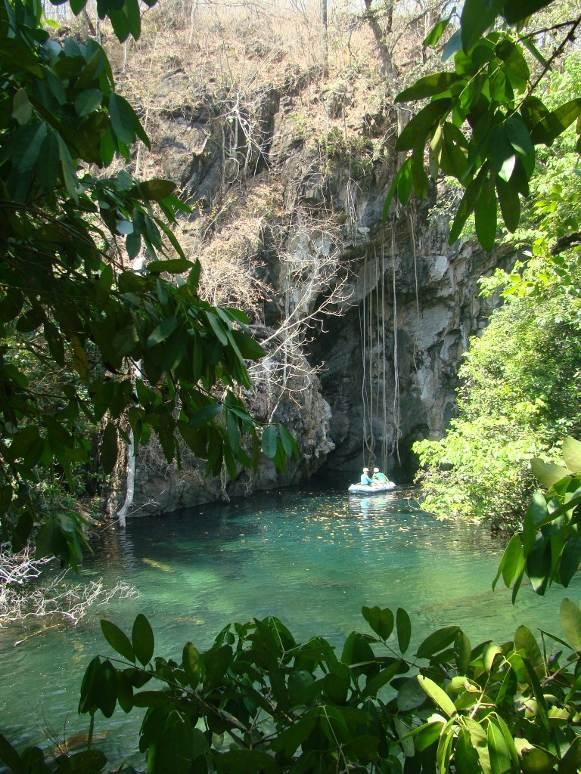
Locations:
(378, 477)
(365, 480)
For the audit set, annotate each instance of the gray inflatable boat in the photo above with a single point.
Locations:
(362, 489)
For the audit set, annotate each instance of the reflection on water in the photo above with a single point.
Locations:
(313, 559)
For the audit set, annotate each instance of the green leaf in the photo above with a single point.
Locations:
(410, 695)
(524, 641)
(466, 206)
(404, 182)
(77, 6)
(377, 681)
(555, 123)
(547, 472)
(162, 332)
(10, 757)
(21, 107)
(125, 123)
(434, 35)
(429, 86)
(571, 761)
(156, 189)
(572, 454)
(133, 14)
(109, 448)
(357, 654)
(508, 739)
(465, 755)
(512, 563)
(142, 639)
(171, 266)
(477, 16)
(381, 621)
(294, 735)
(427, 735)
(270, 440)
(570, 616)
(437, 695)
(485, 214)
(416, 131)
(404, 629)
(249, 347)
(570, 559)
(500, 757)
(462, 651)
(88, 101)
(519, 137)
(437, 641)
(192, 664)
(515, 10)
(217, 328)
(106, 688)
(118, 640)
(539, 761)
(509, 201)
(418, 173)
(67, 168)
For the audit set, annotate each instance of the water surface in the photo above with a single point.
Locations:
(313, 559)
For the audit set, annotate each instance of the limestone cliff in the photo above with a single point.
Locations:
(365, 322)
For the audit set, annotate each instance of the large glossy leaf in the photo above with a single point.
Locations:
(270, 441)
(118, 640)
(415, 132)
(404, 629)
(515, 10)
(156, 189)
(498, 750)
(570, 615)
(477, 16)
(572, 454)
(437, 695)
(142, 639)
(434, 35)
(437, 641)
(548, 473)
(429, 86)
(509, 201)
(512, 563)
(525, 641)
(381, 621)
(466, 206)
(485, 214)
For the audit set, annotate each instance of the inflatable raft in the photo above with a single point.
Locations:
(370, 490)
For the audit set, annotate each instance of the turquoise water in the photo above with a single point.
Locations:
(313, 559)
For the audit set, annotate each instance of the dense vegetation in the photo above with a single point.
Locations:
(87, 295)
(519, 380)
(141, 346)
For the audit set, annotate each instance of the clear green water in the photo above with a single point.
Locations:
(313, 559)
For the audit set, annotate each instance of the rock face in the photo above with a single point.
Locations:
(391, 362)
(370, 319)
(161, 487)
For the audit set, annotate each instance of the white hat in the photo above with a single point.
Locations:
(376, 470)
(366, 469)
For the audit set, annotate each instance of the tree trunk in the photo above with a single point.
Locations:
(324, 38)
(380, 36)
